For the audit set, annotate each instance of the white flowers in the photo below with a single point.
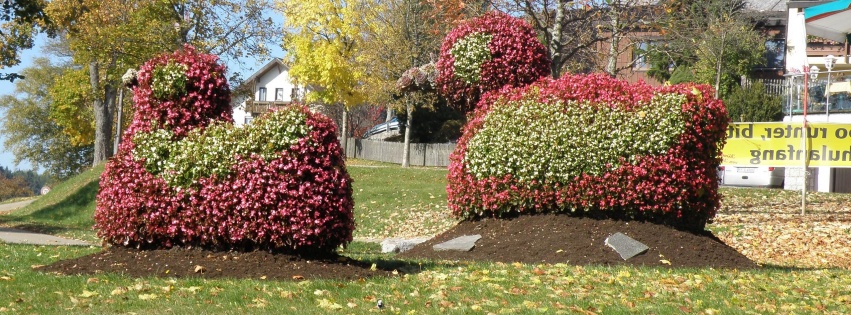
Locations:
(556, 142)
(169, 81)
(217, 148)
(470, 53)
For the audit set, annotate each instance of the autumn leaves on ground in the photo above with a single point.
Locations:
(767, 226)
(763, 224)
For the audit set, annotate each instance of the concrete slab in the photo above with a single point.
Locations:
(626, 246)
(15, 236)
(462, 243)
(399, 245)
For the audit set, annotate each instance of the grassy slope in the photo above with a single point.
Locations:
(66, 210)
(438, 287)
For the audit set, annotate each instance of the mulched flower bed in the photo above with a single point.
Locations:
(532, 239)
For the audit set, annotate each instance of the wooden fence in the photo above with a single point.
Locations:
(775, 87)
(422, 154)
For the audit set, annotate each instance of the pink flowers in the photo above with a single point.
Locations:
(677, 187)
(513, 56)
(300, 199)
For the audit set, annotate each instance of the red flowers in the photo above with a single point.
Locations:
(678, 187)
(516, 58)
(299, 200)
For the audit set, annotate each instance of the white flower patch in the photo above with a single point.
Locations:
(470, 53)
(557, 142)
(169, 81)
(216, 149)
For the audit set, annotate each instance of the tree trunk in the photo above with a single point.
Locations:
(103, 117)
(344, 130)
(611, 67)
(718, 65)
(406, 148)
(555, 48)
(118, 108)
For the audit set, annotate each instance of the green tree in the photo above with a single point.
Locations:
(715, 38)
(23, 19)
(108, 36)
(728, 50)
(30, 132)
(752, 103)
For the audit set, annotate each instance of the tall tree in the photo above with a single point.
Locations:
(31, 134)
(108, 36)
(402, 35)
(22, 20)
(715, 38)
(580, 34)
(322, 41)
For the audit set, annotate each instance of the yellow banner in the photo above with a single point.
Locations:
(779, 144)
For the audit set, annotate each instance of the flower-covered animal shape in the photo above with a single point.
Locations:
(486, 54)
(592, 145)
(420, 78)
(185, 176)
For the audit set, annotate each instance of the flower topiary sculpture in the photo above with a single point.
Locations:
(486, 54)
(185, 176)
(592, 145)
(582, 144)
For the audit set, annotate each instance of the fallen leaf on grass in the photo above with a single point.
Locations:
(147, 297)
(327, 304)
(665, 261)
(88, 294)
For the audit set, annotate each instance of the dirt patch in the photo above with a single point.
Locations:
(580, 241)
(181, 263)
(527, 239)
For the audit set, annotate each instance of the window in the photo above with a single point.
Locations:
(294, 94)
(279, 94)
(639, 55)
(262, 96)
(774, 53)
(248, 119)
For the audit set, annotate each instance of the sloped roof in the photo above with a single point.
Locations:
(275, 62)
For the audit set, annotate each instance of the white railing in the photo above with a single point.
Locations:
(827, 92)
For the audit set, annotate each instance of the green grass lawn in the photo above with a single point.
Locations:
(388, 198)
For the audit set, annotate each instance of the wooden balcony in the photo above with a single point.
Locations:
(260, 107)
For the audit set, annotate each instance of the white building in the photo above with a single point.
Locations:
(269, 87)
(829, 75)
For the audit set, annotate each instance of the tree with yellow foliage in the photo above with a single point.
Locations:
(322, 41)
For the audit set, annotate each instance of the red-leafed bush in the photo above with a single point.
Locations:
(185, 176)
(592, 145)
(486, 54)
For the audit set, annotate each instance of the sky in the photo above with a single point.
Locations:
(7, 88)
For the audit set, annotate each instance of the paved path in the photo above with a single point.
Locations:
(15, 236)
(6, 207)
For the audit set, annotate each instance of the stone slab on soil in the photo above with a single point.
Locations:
(626, 246)
(559, 238)
(399, 245)
(462, 243)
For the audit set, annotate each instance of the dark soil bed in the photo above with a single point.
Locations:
(580, 241)
(528, 239)
(180, 262)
